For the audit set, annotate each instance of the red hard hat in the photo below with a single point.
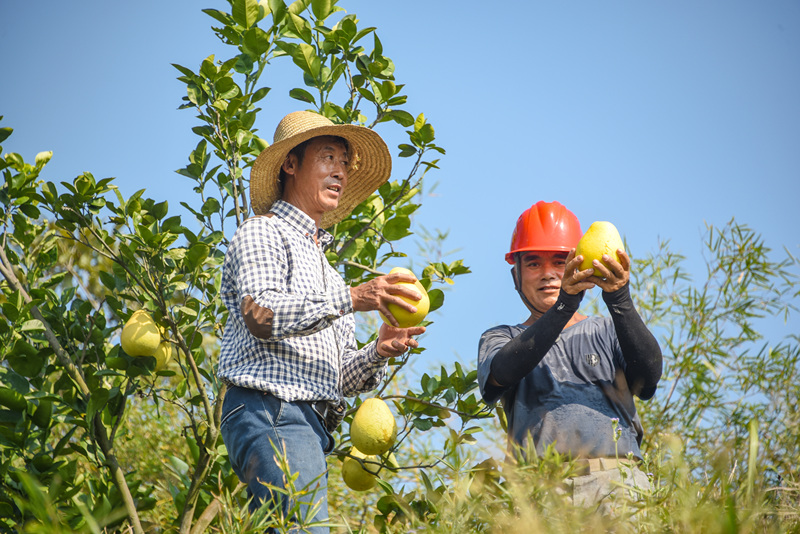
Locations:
(545, 226)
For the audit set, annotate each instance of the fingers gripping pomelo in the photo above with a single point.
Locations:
(601, 238)
(404, 318)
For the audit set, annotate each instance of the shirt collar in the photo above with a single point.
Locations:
(301, 221)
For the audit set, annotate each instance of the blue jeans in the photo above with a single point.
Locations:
(252, 422)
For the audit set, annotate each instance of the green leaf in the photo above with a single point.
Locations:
(406, 150)
(401, 117)
(30, 210)
(257, 41)
(25, 359)
(419, 122)
(221, 16)
(278, 9)
(244, 64)
(196, 95)
(245, 12)
(298, 6)
(366, 93)
(12, 399)
(4, 133)
(183, 70)
(423, 424)
(305, 56)
(426, 133)
(259, 94)
(397, 228)
(436, 297)
(210, 206)
(226, 88)
(32, 325)
(159, 210)
(302, 95)
(43, 157)
(300, 27)
(322, 9)
(97, 401)
(197, 254)
(208, 69)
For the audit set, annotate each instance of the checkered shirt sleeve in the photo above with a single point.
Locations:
(311, 353)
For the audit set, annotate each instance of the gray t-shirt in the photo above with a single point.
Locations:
(571, 397)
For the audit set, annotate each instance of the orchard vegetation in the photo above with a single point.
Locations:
(94, 440)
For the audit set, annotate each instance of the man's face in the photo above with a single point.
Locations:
(540, 277)
(316, 185)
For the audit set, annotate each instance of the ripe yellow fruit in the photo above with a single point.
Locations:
(356, 476)
(163, 355)
(404, 318)
(140, 335)
(601, 238)
(373, 429)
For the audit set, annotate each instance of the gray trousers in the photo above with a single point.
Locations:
(608, 489)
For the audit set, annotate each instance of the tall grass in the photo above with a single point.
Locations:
(464, 495)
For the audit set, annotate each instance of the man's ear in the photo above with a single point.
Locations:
(289, 165)
(514, 277)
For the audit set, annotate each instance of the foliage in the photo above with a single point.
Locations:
(94, 440)
(721, 375)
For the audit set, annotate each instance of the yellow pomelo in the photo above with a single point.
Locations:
(163, 355)
(373, 429)
(140, 335)
(356, 476)
(601, 238)
(406, 319)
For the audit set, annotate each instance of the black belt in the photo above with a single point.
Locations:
(321, 407)
(587, 466)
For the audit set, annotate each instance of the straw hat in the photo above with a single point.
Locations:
(370, 162)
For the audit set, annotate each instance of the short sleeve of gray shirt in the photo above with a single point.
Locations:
(572, 397)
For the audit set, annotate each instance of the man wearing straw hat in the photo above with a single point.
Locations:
(289, 352)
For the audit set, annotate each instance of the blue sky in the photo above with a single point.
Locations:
(660, 117)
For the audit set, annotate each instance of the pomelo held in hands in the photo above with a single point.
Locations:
(404, 318)
(601, 238)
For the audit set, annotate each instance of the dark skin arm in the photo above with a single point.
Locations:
(639, 347)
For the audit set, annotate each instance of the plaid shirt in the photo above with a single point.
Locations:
(310, 353)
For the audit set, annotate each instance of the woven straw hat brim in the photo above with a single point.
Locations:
(371, 163)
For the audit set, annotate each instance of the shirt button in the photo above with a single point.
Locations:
(341, 312)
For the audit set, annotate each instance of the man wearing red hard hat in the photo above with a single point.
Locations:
(565, 379)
